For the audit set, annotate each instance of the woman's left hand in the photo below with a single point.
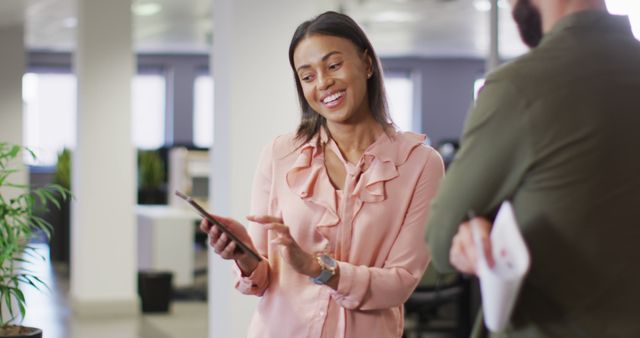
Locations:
(300, 260)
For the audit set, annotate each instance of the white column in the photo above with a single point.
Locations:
(103, 255)
(255, 100)
(12, 65)
(493, 57)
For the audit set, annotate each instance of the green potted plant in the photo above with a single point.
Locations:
(60, 218)
(18, 223)
(150, 178)
(62, 175)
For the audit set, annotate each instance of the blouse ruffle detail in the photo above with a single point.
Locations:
(308, 178)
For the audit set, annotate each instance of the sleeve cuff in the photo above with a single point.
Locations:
(253, 283)
(352, 286)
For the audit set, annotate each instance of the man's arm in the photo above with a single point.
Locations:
(494, 156)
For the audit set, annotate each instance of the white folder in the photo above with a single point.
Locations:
(500, 285)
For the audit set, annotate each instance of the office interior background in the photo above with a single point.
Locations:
(183, 94)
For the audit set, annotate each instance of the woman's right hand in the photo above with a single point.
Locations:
(227, 248)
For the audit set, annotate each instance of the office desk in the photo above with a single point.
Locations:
(166, 241)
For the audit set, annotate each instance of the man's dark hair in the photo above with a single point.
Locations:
(339, 25)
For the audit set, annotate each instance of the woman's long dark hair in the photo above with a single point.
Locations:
(339, 25)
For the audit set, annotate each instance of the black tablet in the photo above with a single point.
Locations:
(204, 214)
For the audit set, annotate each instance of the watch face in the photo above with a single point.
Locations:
(328, 265)
(328, 261)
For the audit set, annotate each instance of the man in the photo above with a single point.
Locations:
(556, 133)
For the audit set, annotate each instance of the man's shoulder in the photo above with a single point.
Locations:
(517, 69)
(529, 75)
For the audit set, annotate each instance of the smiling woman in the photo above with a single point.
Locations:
(338, 208)
(327, 66)
(318, 51)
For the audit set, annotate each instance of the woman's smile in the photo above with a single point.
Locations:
(333, 100)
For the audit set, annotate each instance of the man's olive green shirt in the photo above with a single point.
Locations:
(557, 132)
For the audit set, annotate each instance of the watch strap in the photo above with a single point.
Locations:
(328, 269)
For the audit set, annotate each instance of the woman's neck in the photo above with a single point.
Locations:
(354, 139)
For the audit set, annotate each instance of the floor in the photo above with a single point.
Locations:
(49, 310)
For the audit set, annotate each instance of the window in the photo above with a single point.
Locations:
(399, 87)
(203, 111)
(477, 86)
(49, 115)
(627, 7)
(148, 110)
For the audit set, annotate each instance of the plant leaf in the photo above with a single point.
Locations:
(19, 294)
(26, 279)
(33, 154)
(7, 301)
(23, 311)
(41, 283)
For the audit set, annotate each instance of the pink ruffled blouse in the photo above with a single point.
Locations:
(373, 227)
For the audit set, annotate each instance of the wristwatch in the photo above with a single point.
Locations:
(328, 266)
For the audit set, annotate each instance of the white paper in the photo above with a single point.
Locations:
(500, 285)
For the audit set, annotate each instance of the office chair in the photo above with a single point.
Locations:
(427, 305)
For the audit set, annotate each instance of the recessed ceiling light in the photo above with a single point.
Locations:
(146, 8)
(393, 16)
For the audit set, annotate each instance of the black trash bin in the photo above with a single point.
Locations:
(154, 288)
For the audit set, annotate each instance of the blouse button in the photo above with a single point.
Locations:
(303, 194)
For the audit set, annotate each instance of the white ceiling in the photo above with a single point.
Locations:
(434, 27)
(451, 28)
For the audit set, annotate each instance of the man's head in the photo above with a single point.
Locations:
(529, 21)
(536, 17)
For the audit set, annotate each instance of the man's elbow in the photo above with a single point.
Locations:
(443, 266)
(439, 255)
